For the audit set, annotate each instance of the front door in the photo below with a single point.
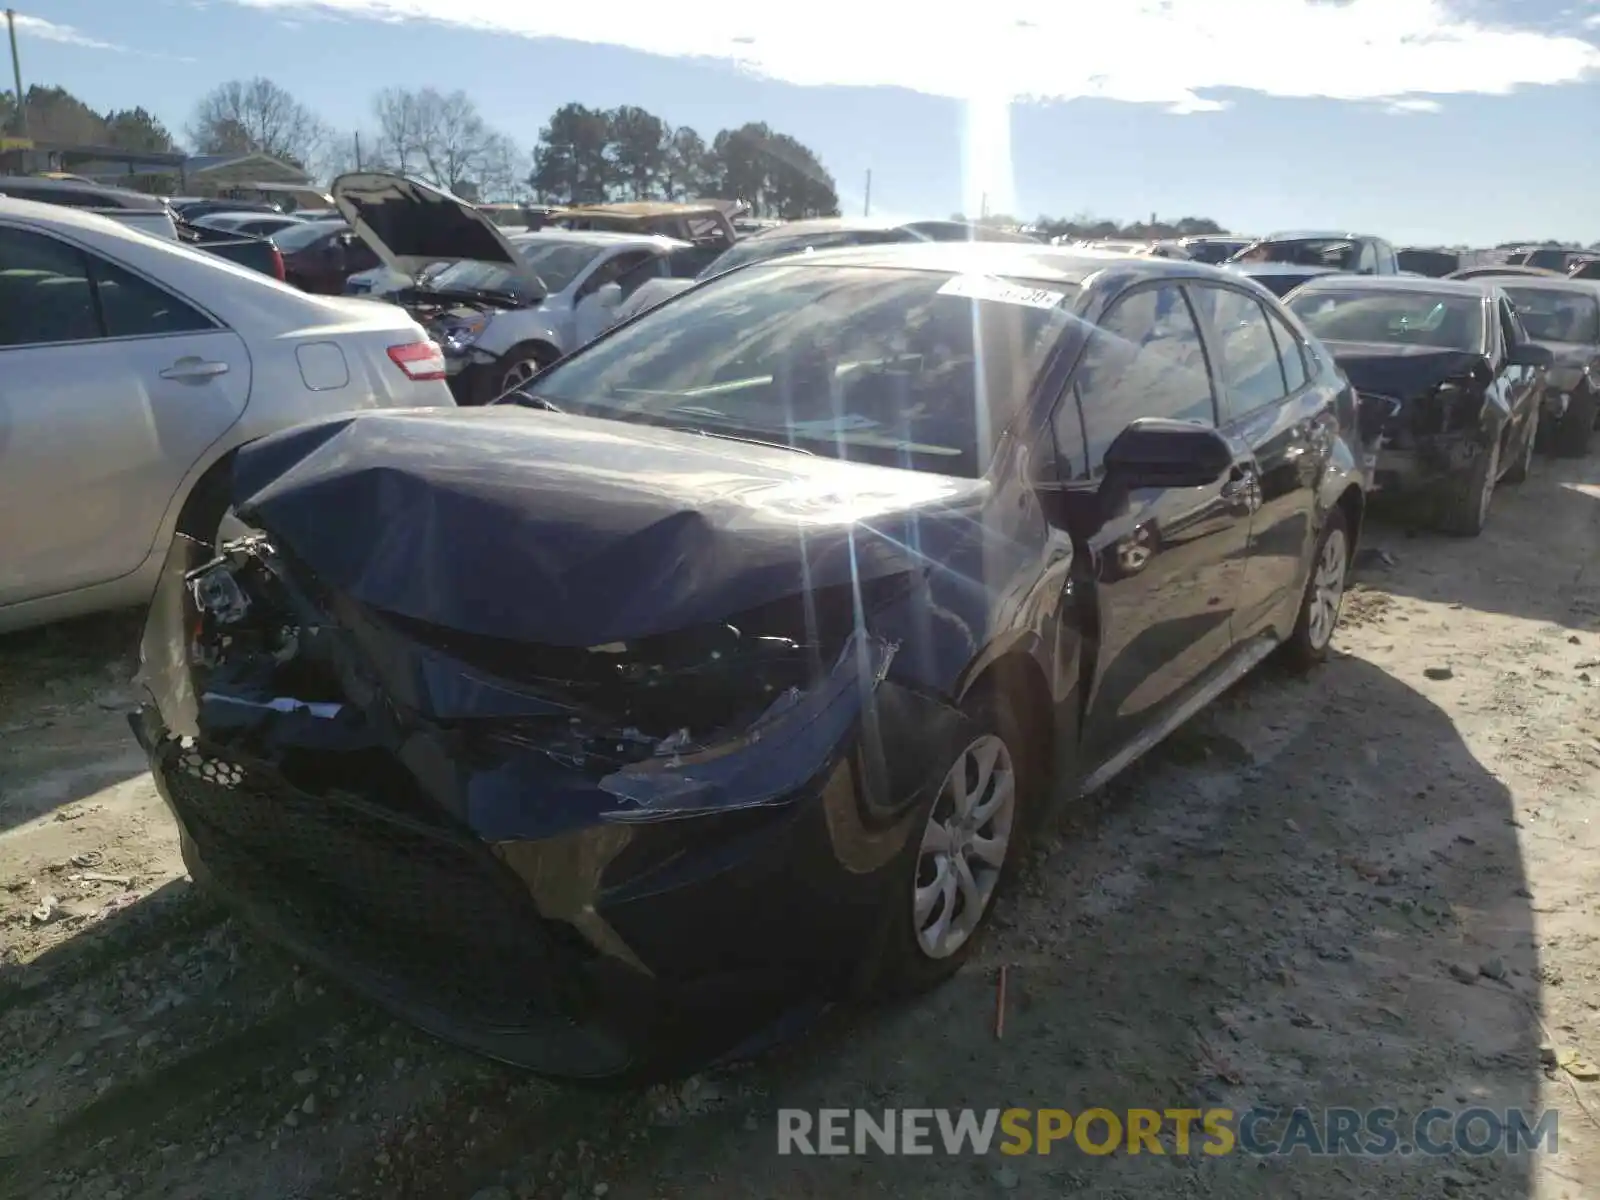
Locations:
(1269, 406)
(1166, 562)
(111, 389)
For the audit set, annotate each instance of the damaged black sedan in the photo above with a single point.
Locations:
(727, 669)
(1451, 386)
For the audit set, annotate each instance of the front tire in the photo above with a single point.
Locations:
(960, 856)
(1312, 638)
(1464, 501)
(515, 367)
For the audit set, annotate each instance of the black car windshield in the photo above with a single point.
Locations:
(1339, 253)
(1557, 316)
(556, 263)
(1211, 252)
(914, 369)
(1417, 318)
(764, 246)
(298, 237)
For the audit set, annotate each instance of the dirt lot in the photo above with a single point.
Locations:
(1377, 887)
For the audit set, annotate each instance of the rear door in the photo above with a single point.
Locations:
(111, 388)
(1270, 405)
(1522, 384)
(1167, 562)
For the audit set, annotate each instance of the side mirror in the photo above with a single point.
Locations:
(1157, 452)
(1531, 354)
(608, 295)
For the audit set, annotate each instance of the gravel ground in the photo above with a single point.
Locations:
(1375, 887)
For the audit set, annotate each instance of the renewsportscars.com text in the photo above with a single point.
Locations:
(1373, 1132)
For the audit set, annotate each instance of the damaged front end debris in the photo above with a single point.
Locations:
(564, 857)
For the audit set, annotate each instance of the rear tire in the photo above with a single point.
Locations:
(1463, 505)
(1575, 430)
(1312, 638)
(948, 864)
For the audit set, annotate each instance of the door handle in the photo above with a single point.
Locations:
(194, 369)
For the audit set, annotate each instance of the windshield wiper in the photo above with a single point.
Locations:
(490, 295)
(526, 400)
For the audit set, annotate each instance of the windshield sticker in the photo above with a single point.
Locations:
(984, 287)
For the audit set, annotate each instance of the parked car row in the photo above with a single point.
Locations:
(721, 657)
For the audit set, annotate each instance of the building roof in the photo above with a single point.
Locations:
(199, 164)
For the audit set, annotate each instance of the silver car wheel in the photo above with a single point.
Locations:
(518, 373)
(964, 846)
(1327, 588)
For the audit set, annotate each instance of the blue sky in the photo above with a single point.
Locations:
(1423, 120)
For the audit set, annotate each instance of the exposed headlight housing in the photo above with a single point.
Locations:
(459, 337)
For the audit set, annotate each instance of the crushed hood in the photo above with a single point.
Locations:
(1279, 278)
(572, 531)
(1403, 372)
(411, 225)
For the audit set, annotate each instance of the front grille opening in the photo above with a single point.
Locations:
(704, 680)
(433, 916)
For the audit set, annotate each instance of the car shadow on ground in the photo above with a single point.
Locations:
(1536, 559)
(64, 693)
(1257, 917)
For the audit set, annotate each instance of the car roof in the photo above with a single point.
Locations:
(1072, 265)
(1303, 235)
(114, 197)
(826, 225)
(642, 209)
(1396, 283)
(599, 239)
(1545, 283)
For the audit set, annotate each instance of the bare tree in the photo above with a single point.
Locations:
(400, 130)
(256, 116)
(443, 138)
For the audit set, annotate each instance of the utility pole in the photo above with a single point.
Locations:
(866, 207)
(16, 73)
(358, 151)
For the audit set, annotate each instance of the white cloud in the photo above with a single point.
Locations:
(49, 31)
(1163, 52)
(1413, 106)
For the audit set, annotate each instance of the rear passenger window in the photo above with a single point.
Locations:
(1291, 353)
(133, 307)
(1252, 376)
(45, 294)
(1145, 360)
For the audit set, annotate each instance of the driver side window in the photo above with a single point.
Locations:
(1145, 359)
(1367, 263)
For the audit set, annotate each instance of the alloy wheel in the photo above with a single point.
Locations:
(518, 373)
(964, 846)
(1327, 588)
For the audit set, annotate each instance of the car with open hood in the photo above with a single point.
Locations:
(1281, 262)
(1563, 315)
(503, 306)
(726, 667)
(1451, 385)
